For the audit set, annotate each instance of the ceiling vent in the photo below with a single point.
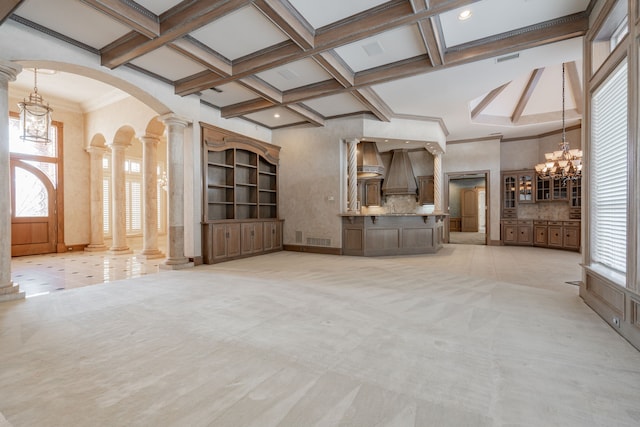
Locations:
(369, 161)
(373, 49)
(507, 58)
(400, 179)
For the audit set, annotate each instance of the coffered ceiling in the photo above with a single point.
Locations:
(287, 62)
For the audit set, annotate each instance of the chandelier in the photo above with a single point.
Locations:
(35, 116)
(565, 164)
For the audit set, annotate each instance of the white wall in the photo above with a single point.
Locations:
(476, 156)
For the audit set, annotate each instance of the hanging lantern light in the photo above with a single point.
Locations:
(35, 116)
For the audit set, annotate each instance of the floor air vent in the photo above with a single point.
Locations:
(314, 241)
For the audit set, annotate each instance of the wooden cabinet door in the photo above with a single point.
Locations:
(426, 190)
(246, 240)
(372, 192)
(540, 235)
(524, 234)
(555, 236)
(509, 234)
(233, 240)
(258, 240)
(277, 235)
(571, 238)
(219, 242)
(268, 235)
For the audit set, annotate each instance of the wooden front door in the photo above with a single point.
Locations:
(33, 211)
(469, 210)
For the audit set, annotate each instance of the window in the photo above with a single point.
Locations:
(611, 33)
(609, 176)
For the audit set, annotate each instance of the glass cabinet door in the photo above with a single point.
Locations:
(525, 189)
(509, 196)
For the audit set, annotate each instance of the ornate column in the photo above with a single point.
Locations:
(96, 155)
(437, 182)
(118, 199)
(8, 290)
(150, 191)
(175, 176)
(352, 152)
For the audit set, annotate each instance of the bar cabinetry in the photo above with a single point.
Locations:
(392, 234)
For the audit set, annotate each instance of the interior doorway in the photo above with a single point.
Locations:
(466, 199)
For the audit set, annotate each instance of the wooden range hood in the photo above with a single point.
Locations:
(400, 179)
(369, 161)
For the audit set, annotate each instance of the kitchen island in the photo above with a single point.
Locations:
(392, 234)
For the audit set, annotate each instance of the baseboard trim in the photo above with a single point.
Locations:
(494, 242)
(313, 249)
(62, 248)
(197, 260)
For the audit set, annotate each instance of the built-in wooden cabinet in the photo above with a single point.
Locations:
(557, 234)
(517, 232)
(372, 192)
(240, 207)
(522, 187)
(575, 199)
(517, 188)
(549, 190)
(426, 191)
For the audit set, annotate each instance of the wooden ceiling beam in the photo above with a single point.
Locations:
(139, 20)
(576, 87)
(390, 15)
(200, 53)
(7, 7)
(311, 116)
(552, 31)
(247, 107)
(397, 70)
(406, 68)
(287, 18)
(373, 102)
(335, 66)
(429, 30)
(526, 94)
(487, 100)
(262, 88)
(178, 23)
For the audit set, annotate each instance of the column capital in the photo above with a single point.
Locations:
(119, 144)
(352, 140)
(149, 139)
(172, 119)
(92, 149)
(9, 70)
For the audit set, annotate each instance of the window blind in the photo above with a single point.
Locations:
(608, 166)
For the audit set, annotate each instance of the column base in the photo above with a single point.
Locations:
(11, 292)
(176, 264)
(120, 251)
(150, 254)
(95, 248)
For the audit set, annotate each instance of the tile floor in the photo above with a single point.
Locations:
(44, 274)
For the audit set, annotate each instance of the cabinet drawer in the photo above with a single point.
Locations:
(510, 222)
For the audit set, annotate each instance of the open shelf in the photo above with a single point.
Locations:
(240, 184)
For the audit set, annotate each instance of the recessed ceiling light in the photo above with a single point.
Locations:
(386, 140)
(464, 15)
(276, 115)
(406, 142)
